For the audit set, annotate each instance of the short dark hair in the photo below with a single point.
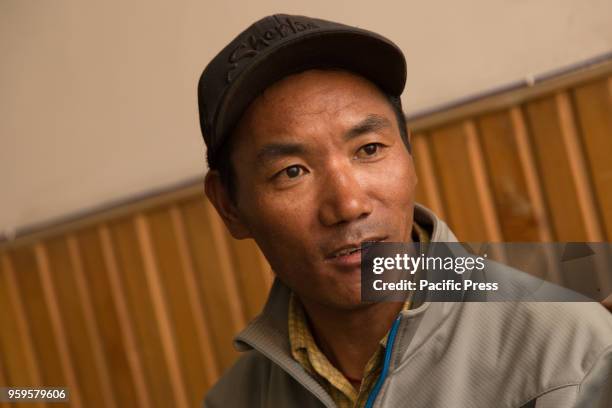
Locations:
(222, 161)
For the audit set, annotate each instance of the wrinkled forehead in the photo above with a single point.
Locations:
(311, 98)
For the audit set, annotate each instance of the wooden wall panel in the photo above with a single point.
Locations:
(13, 359)
(106, 325)
(451, 156)
(428, 185)
(67, 318)
(576, 157)
(137, 306)
(220, 294)
(103, 391)
(159, 302)
(29, 289)
(143, 319)
(125, 318)
(201, 323)
(3, 380)
(593, 104)
(254, 275)
(533, 181)
(554, 168)
(172, 280)
(21, 366)
(516, 215)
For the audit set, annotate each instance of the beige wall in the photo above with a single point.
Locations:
(98, 98)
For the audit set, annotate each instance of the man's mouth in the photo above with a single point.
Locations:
(349, 249)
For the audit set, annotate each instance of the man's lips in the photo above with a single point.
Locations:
(351, 250)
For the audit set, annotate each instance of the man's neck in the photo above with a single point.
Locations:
(350, 338)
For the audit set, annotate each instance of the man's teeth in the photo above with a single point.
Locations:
(347, 251)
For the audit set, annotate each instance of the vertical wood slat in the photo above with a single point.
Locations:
(583, 185)
(458, 186)
(507, 180)
(532, 178)
(127, 330)
(582, 182)
(250, 276)
(8, 326)
(25, 334)
(426, 174)
(91, 322)
(197, 305)
(176, 292)
(37, 312)
(57, 324)
(593, 109)
(160, 308)
(142, 310)
(3, 383)
(227, 271)
(483, 189)
(90, 251)
(209, 274)
(534, 188)
(545, 133)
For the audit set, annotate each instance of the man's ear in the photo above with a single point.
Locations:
(227, 210)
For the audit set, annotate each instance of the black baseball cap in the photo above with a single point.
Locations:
(281, 45)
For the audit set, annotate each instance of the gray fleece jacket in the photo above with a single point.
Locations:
(445, 354)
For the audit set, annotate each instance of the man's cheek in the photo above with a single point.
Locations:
(399, 184)
(404, 179)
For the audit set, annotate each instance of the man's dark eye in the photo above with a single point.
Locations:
(293, 171)
(370, 149)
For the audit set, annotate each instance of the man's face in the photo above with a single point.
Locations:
(320, 168)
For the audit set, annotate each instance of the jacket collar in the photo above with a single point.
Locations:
(268, 332)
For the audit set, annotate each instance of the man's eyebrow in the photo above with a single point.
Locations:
(273, 151)
(371, 123)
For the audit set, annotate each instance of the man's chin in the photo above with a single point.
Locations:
(350, 300)
(335, 291)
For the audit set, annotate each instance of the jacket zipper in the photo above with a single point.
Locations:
(385, 369)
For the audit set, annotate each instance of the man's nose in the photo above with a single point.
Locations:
(343, 198)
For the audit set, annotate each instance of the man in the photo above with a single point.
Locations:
(309, 155)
